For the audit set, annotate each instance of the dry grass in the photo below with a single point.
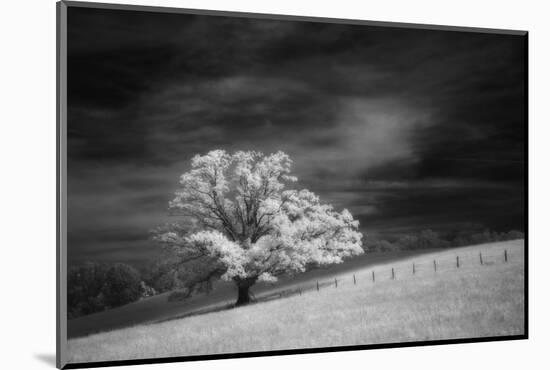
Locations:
(472, 301)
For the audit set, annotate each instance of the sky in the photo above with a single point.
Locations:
(408, 129)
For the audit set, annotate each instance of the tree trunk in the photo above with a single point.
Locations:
(243, 287)
(244, 295)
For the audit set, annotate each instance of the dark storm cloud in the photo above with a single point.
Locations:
(406, 128)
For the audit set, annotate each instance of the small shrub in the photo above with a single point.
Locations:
(146, 290)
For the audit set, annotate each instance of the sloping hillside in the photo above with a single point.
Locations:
(158, 309)
(472, 300)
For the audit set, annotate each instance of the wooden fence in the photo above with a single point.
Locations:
(400, 270)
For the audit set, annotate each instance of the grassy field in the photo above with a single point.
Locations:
(471, 301)
(157, 309)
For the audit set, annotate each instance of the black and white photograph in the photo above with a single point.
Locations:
(245, 184)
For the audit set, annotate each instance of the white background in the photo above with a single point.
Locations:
(27, 154)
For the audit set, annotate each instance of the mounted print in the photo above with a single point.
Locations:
(235, 184)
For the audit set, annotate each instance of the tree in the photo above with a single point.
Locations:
(84, 284)
(513, 235)
(431, 239)
(122, 285)
(407, 242)
(161, 273)
(239, 222)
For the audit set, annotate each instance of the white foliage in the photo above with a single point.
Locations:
(251, 224)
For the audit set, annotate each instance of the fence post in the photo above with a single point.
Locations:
(392, 274)
(300, 290)
(317, 285)
(335, 283)
(354, 281)
(373, 276)
(480, 258)
(414, 269)
(457, 262)
(435, 266)
(505, 255)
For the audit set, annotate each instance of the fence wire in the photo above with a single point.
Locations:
(402, 270)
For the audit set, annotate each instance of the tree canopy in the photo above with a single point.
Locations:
(240, 221)
(94, 287)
